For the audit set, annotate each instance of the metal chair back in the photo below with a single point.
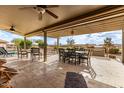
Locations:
(35, 50)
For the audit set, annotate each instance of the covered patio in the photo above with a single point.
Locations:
(67, 21)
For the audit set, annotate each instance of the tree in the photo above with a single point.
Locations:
(108, 44)
(55, 45)
(40, 43)
(70, 41)
(28, 44)
(17, 42)
(20, 43)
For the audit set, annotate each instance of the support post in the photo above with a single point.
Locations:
(123, 45)
(25, 43)
(45, 46)
(57, 44)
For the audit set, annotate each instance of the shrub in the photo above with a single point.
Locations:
(114, 51)
(40, 43)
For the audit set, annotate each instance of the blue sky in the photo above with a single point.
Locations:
(96, 38)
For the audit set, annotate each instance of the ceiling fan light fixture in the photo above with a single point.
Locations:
(43, 10)
(39, 9)
(72, 31)
(40, 16)
(12, 29)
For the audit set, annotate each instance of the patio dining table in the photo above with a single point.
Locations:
(80, 52)
(76, 52)
(73, 55)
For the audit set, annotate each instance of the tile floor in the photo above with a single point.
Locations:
(51, 74)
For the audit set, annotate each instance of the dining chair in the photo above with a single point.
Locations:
(22, 53)
(61, 53)
(71, 56)
(35, 52)
(81, 49)
(66, 56)
(85, 56)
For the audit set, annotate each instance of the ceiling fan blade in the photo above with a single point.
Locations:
(23, 8)
(8, 30)
(4, 29)
(51, 13)
(47, 6)
(52, 6)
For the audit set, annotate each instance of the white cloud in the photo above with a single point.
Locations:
(8, 36)
(51, 41)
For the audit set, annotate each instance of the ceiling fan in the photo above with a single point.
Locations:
(11, 29)
(41, 9)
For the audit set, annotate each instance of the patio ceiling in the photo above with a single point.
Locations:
(95, 27)
(82, 19)
(26, 21)
(111, 18)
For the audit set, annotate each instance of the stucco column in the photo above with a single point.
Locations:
(24, 42)
(57, 44)
(45, 46)
(123, 45)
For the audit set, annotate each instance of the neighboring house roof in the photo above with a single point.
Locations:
(3, 41)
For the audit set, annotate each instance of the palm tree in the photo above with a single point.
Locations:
(108, 44)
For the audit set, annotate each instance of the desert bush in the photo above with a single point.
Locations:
(114, 51)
